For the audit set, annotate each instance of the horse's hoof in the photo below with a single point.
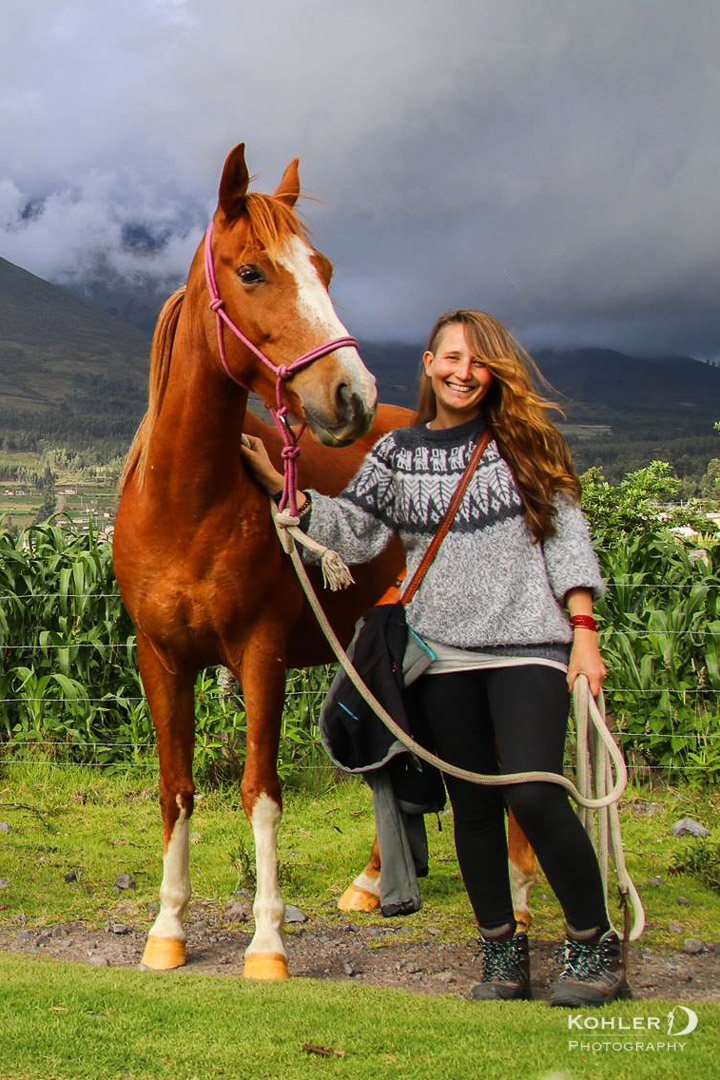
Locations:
(267, 966)
(523, 920)
(356, 899)
(163, 954)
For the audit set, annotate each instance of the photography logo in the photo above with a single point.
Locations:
(632, 1033)
(691, 1017)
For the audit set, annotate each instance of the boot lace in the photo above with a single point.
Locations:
(585, 961)
(501, 960)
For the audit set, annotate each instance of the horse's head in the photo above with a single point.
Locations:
(274, 288)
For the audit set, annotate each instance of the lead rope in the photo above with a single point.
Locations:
(603, 825)
(595, 793)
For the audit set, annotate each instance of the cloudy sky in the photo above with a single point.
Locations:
(555, 162)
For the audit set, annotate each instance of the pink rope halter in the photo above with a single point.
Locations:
(283, 372)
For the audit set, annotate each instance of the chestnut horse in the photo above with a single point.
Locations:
(199, 565)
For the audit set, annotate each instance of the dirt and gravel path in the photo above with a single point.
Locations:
(375, 955)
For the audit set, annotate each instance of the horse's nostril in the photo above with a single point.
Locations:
(351, 411)
(343, 396)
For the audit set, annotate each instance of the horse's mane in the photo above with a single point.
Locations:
(271, 224)
(159, 370)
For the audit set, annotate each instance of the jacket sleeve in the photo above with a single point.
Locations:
(359, 522)
(569, 557)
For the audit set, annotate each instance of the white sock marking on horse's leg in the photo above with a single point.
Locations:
(369, 883)
(521, 883)
(175, 887)
(269, 907)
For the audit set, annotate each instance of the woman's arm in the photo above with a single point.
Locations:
(585, 658)
(357, 524)
(569, 555)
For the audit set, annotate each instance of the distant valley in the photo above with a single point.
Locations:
(73, 375)
(621, 412)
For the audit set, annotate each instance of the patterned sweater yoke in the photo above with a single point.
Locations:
(489, 585)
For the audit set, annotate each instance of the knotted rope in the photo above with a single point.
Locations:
(336, 574)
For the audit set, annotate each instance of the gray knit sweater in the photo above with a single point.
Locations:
(489, 585)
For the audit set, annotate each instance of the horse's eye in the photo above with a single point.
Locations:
(250, 274)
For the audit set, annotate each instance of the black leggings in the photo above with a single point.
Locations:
(516, 716)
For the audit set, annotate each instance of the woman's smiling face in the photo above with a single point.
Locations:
(459, 378)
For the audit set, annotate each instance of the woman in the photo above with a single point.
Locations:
(506, 607)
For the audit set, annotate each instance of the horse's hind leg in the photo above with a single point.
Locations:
(364, 893)
(264, 691)
(171, 699)
(523, 872)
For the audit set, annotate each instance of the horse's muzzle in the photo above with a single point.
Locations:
(343, 433)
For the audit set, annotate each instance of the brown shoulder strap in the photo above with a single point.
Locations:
(443, 527)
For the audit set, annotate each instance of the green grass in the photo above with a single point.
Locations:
(61, 1021)
(102, 825)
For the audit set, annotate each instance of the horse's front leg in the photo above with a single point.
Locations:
(171, 698)
(263, 682)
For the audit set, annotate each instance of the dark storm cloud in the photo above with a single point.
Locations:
(553, 162)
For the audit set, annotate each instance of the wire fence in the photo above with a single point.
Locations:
(55, 647)
(136, 750)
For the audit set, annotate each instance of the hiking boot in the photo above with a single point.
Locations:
(506, 969)
(593, 972)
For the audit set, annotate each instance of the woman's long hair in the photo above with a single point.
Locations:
(517, 414)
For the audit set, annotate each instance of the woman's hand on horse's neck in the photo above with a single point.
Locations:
(258, 460)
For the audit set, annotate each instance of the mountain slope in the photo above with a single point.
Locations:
(66, 369)
(594, 385)
(75, 375)
(677, 390)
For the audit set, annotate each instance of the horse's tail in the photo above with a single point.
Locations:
(160, 354)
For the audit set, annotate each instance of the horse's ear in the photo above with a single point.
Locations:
(289, 187)
(234, 183)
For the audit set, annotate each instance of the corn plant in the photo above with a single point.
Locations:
(660, 637)
(69, 684)
(70, 688)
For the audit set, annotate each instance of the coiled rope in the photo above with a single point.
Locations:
(597, 792)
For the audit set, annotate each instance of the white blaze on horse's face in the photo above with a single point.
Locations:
(345, 409)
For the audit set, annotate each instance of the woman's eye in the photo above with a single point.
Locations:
(251, 274)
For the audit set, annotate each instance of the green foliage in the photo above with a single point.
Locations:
(630, 507)
(660, 623)
(710, 483)
(621, 451)
(703, 862)
(69, 684)
(70, 689)
(67, 673)
(660, 631)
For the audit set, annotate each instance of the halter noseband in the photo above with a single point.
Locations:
(282, 372)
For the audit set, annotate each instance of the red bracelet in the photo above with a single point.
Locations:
(585, 621)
